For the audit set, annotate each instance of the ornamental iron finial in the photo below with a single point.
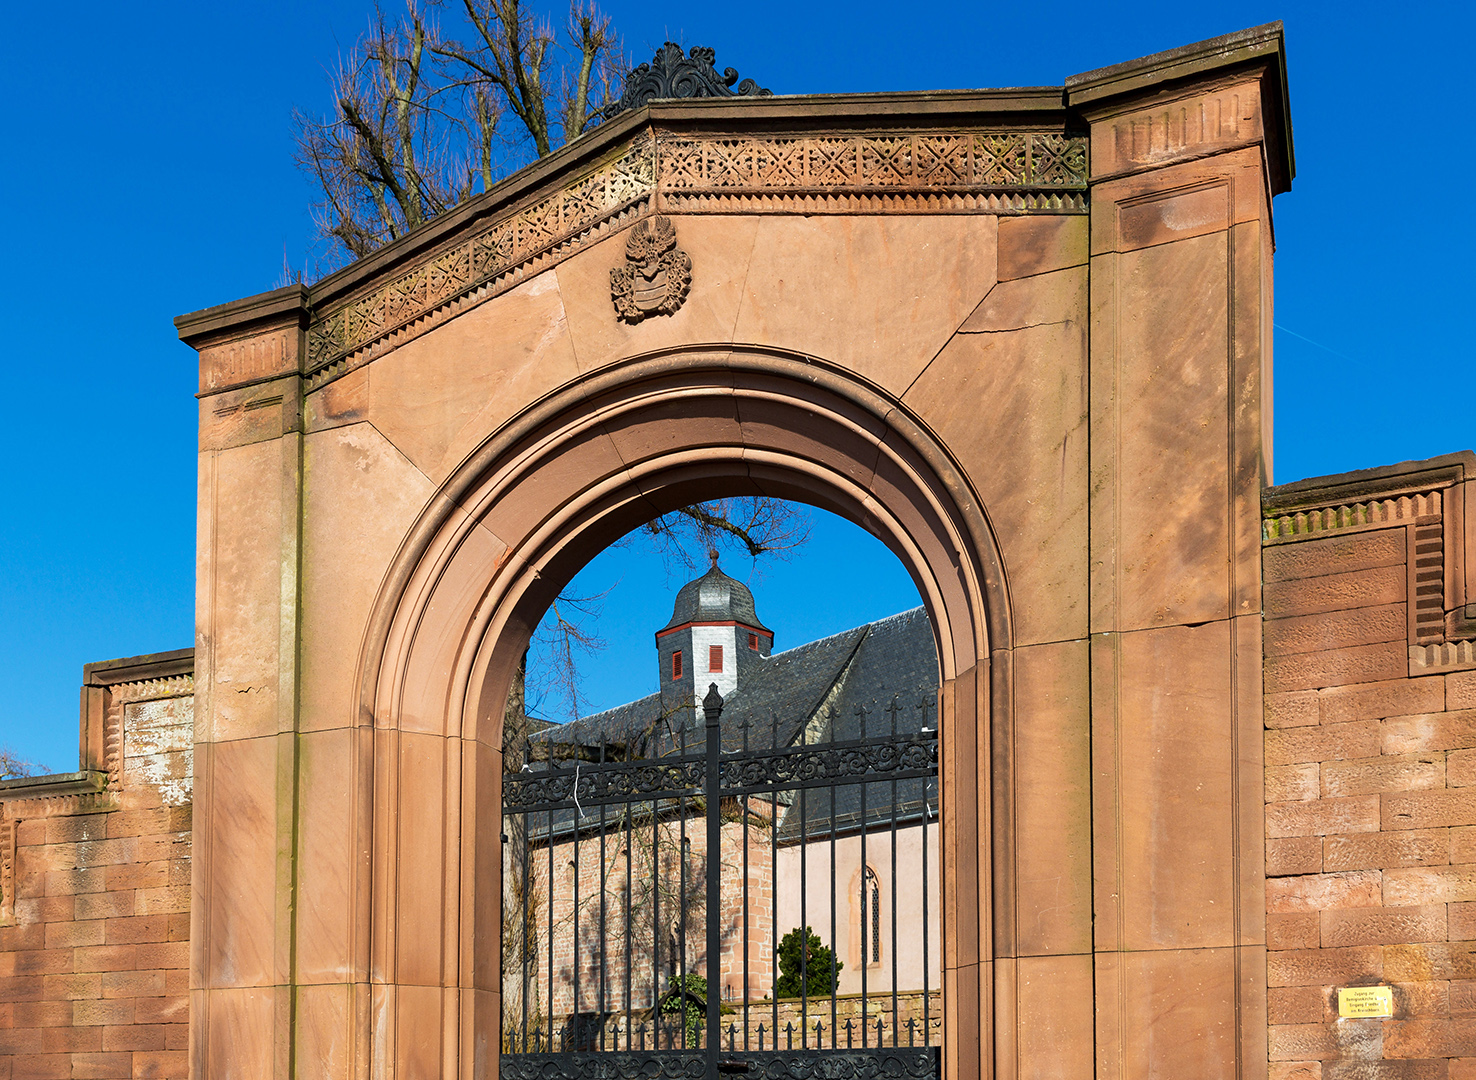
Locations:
(670, 74)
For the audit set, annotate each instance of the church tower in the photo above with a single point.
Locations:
(714, 636)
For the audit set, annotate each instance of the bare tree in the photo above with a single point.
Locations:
(417, 120)
(13, 766)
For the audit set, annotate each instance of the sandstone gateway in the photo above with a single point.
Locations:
(1208, 747)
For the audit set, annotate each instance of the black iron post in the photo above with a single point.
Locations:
(712, 710)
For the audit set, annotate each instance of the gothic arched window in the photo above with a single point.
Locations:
(870, 916)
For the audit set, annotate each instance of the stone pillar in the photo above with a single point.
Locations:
(1186, 149)
(246, 626)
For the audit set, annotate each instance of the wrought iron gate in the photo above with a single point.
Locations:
(630, 950)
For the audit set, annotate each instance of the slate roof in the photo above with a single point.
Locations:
(714, 597)
(822, 691)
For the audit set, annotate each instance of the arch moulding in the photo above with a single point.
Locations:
(515, 522)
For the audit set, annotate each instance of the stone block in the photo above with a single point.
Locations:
(132, 984)
(1327, 742)
(1321, 892)
(1336, 592)
(1054, 1016)
(1386, 773)
(1428, 809)
(1169, 1013)
(1337, 667)
(1320, 817)
(99, 1012)
(1294, 1042)
(108, 905)
(1290, 783)
(424, 395)
(1166, 515)
(1430, 1038)
(1039, 244)
(242, 615)
(1342, 554)
(1383, 926)
(1174, 770)
(1027, 453)
(1381, 700)
(804, 289)
(72, 987)
(65, 1040)
(1427, 962)
(1430, 731)
(1460, 689)
(44, 909)
(1430, 884)
(239, 936)
(1336, 630)
(133, 1037)
(109, 1066)
(1381, 850)
(70, 935)
(1296, 708)
(1295, 1005)
(1052, 755)
(41, 1066)
(1295, 855)
(41, 1013)
(1460, 768)
(137, 928)
(169, 1062)
(360, 497)
(1422, 999)
(1294, 930)
(105, 958)
(326, 869)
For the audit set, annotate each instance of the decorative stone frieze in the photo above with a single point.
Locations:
(7, 873)
(1373, 514)
(961, 171)
(1442, 657)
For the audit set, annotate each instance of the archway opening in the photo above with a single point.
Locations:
(802, 657)
(521, 516)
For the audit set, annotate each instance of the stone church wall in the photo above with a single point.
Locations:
(95, 887)
(1370, 713)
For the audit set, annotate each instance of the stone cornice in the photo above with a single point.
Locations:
(1364, 485)
(137, 669)
(1257, 53)
(1008, 151)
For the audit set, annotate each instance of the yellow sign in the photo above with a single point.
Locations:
(1372, 1001)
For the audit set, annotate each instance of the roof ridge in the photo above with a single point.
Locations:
(842, 633)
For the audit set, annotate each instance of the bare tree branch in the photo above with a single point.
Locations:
(13, 766)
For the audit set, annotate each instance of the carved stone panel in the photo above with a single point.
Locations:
(657, 274)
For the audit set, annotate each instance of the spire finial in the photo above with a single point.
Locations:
(712, 553)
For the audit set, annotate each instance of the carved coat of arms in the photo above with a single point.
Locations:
(656, 274)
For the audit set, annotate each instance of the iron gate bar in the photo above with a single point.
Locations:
(847, 764)
(574, 787)
(712, 711)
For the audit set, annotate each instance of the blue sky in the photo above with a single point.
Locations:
(149, 172)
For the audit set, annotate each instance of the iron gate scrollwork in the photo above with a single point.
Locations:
(632, 951)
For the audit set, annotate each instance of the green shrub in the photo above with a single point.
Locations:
(805, 966)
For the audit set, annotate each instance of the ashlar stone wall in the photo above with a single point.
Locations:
(1370, 712)
(95, 888)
